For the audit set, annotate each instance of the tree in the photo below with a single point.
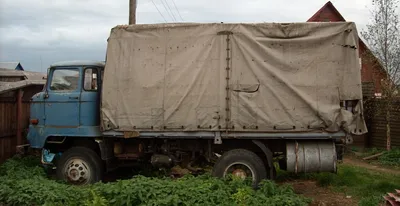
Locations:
(383, 38)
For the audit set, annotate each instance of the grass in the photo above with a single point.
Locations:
(368, 186)
(371, 151)
(390, 158)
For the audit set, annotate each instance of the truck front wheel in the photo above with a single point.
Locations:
(241, 163)
(80, 166)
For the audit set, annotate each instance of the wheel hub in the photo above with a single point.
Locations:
(240, 169)
(77, 171)
(239, 173)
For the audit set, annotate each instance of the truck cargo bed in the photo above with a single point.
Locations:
(252, 78)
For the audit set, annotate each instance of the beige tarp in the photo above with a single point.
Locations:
(265, 77)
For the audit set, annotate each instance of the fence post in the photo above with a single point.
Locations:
(19, 116)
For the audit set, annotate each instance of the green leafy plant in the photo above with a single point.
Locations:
(23, 182)
(96, 200)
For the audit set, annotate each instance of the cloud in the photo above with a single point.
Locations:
(40, 32)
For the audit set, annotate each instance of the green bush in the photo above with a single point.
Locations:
(23, 182)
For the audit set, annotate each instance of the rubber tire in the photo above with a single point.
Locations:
(241, 155)
(89, 156)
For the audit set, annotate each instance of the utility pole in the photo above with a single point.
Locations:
(132, 12)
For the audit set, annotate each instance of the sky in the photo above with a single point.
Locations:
(38, 33)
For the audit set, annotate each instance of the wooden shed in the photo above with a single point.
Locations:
(16, 89)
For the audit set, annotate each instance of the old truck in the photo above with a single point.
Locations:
(242, 97)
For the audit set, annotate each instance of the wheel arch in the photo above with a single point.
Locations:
(260, 148)
(269, 157)
(63, 143)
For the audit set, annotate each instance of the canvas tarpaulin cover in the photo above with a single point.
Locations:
(267, 77)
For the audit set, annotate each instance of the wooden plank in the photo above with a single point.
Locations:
(2, 155)
(7, 128)
(20, 93)
(373, 156)
(7, 135)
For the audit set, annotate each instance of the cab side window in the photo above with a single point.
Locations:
(90, 79)
(65, 80)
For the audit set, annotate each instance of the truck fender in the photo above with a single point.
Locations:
(268, 155)
(106, 149)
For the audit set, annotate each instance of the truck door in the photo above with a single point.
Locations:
(90, 111)
(62, 98)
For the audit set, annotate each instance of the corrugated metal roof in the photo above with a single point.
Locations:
(27, 74)
(10, 73)
(30, 78)
(9, 65)
(9, 86)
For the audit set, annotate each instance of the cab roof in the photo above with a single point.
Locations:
(78, 63)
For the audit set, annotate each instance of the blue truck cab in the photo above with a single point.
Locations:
(69, 103)
(68, 106)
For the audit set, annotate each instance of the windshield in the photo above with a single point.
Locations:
(65, 79)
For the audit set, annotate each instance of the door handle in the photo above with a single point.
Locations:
(74, 97)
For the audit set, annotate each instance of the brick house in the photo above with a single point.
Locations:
(371, 73)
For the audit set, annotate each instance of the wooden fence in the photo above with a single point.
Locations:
(377, 125)
(10, 127)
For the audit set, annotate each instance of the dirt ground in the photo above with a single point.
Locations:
(351, 160)
(323, 196)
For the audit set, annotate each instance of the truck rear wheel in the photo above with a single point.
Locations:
(241, 163)
(80, 166)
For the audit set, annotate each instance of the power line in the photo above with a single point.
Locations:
(177, 10)
(165, 7)
(170, 10)
(159, 11)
